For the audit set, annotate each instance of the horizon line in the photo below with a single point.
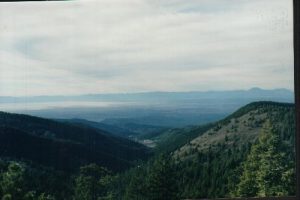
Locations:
(147, 92)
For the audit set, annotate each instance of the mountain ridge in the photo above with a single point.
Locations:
(179, 136)
(113, 149)
(246, 122)
(250, 153)
(132, 96)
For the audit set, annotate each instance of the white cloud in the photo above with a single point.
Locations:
(78, 47)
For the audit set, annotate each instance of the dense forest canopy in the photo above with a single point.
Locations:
(251, 153)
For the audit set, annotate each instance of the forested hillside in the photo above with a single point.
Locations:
(45, 159)
(65, 146)
(250, 153)
(127, 130)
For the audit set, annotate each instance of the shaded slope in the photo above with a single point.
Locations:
(127, 130)
(61, 155)
(84, 140)
(115, 130)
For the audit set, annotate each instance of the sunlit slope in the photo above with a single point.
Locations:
(241, 127)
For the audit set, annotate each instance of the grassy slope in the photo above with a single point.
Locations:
(172, 139)
(243, 126)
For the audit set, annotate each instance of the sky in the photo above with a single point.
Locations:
(123, 46)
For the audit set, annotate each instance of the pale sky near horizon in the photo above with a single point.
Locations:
(111, 46)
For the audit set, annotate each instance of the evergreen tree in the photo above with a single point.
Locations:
(265, 169)
(271, 167)
(136, 189)
(162, 182)
(12, 181)
(91, 183)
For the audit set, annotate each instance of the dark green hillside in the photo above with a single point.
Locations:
(98, 125)
(127, 130)
(85, 143)
(216, 161)
(62, 155)
(251, 153)
(222, 151)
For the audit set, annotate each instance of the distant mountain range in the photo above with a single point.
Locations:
(161, 97)
(159, 109)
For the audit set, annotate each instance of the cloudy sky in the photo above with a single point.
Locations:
(111, 46)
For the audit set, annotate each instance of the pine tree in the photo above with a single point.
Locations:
(89, 185)
(136, 189)
(264, 168)
(12, 181)
(271, 167)
(162, 180)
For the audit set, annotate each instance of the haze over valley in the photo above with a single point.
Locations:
(166, 109)
(146, 99)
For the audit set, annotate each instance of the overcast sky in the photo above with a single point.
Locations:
(111, 46)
